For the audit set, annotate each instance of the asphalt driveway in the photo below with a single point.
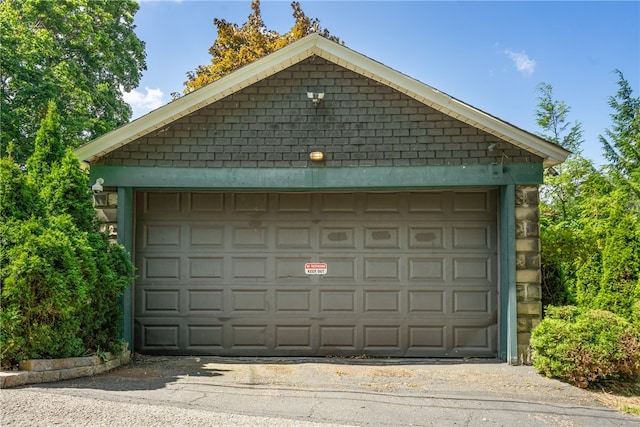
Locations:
(215, 391)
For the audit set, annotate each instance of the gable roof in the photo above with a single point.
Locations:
(306, 47)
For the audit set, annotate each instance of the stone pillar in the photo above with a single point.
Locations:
(528, 274)
(106, 206)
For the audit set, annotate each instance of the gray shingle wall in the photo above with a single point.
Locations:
(360, 122)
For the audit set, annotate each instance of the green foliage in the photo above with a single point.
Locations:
(622, 142)
(590, 220)
(552, 115)
(236, 46)
(17, 199)
(49, 147)
(560, 197)
(61, 278)
(80, 53)
(43, 285)
(584, 347)
(608, 269)
(65, 192)
(101, 316)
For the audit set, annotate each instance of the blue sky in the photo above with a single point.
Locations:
(491, 55)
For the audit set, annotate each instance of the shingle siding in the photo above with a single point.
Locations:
(360, 122)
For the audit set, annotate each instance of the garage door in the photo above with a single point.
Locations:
(396, 274)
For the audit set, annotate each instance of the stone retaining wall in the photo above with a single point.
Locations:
(49, 370)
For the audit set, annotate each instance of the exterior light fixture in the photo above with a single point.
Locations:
(316, 156)
(97, 187)
(315, 97)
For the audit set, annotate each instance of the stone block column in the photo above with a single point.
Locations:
(528, 274)
(106, 206)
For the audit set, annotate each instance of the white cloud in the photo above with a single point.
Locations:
(142, 103)
(523, 63)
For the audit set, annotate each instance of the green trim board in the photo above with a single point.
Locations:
(507, 285)
(319, 178)
(125, 238)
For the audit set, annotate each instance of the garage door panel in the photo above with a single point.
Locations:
(249, 237)
(338, 202)
(381, 202)
(467, 301)
(166, 301)
(161, 202)
(161, 267)
(478, 236)
(427, 202)
(479, 269)
(206, 267)
(341, 270)
(165, 236)
(162, 337)
(382, 337)
(381, 238)
(298, 301)
(249, 202)
(298, 337)
(430, 269)
(382, 269)
(205, 337)
(431, 237)
(293, 237)
(205, 302)
(337, 237)
(477, 202)
(291, 268)
(205, 202)
(249, 301)
(249, 268)
(253, 336)
(293, 202)
(426, 338)
(377, 301)
(343, 301)
(203, 236)
(423, 301)
(338, 337)
(408, 274)
(473, 338)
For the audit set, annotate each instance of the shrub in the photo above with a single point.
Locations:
(584, 347)
(60, 278)
(43, 286)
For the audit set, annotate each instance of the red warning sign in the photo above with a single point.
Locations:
(315, 268)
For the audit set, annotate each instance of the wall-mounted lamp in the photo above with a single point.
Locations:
(315, 97)
(316, 156)
(97, 187)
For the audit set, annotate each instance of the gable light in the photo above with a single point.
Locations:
(315, 97)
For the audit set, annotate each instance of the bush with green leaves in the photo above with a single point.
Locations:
(61, 278)
(584, 347)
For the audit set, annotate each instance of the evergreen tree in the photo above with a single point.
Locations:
(622, 143)
(49, 147)
(61, 278)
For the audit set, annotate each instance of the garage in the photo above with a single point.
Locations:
(407, 273)
(317, 202)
